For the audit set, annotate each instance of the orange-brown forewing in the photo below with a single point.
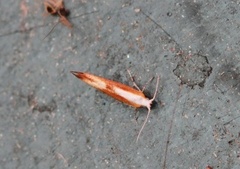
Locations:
(95, 81)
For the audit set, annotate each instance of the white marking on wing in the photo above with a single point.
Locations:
(132, 97)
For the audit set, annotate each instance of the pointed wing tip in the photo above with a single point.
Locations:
(77, 74)
(74, 73)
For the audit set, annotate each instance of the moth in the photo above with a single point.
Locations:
(119, 91)
(57, 8)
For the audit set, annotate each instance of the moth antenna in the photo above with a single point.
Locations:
(144, 123)
(149, 110)
(67, 20)
(51, 30)
(77, 16)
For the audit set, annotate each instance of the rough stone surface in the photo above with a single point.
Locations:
(50, 119)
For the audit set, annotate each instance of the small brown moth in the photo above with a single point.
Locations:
(56, 7)
(119, 91)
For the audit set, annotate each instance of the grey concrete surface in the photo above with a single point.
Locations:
(50, 119)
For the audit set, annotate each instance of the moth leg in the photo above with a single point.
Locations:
(132, 79)
(147, 84)
(135, 85)
(65, 21)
